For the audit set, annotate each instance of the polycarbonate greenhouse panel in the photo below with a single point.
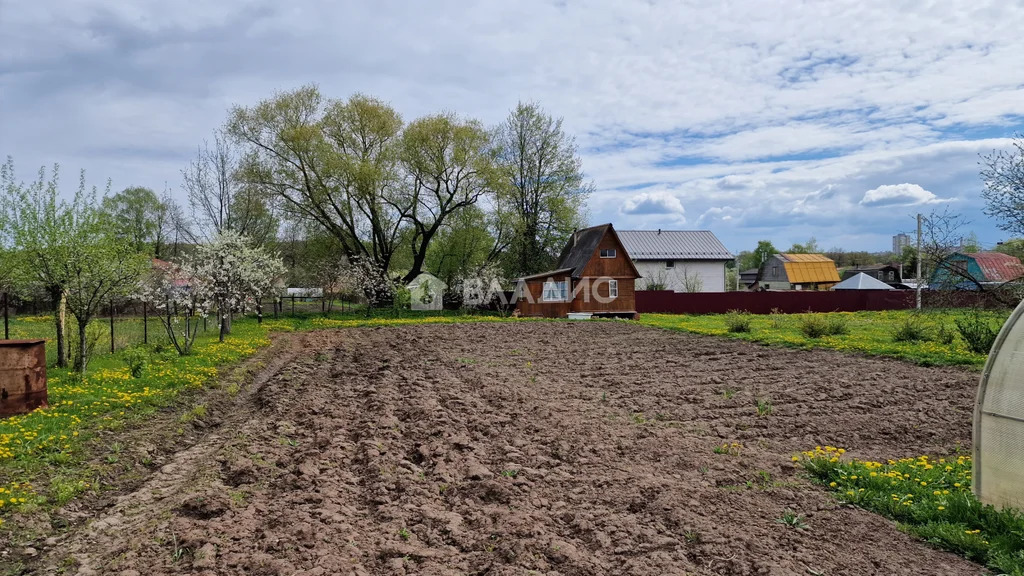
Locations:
(999, 420)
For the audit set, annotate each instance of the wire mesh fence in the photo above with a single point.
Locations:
(130, 322)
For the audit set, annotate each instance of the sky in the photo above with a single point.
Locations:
(756, 120)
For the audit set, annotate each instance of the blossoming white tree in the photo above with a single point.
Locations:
(235, 273)
(183, 298)
(221, 276)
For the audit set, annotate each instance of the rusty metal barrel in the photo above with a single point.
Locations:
(22, 376)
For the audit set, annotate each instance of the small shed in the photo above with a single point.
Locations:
(426, 292)
(862, 281)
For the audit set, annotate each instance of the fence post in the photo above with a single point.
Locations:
(145, 323)
(7, 330)
(111, 326)
(259, 312)
(293, 305)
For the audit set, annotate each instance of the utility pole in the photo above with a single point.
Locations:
(918, 262)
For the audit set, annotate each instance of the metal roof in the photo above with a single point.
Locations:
(808, 268)
(807, 258)
(862, 281)
(998, 267)
(673, 245)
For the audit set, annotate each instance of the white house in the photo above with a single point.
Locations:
(679, 260)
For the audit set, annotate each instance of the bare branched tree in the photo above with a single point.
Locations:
(1002, 173)
(944, 264)
(220, 202)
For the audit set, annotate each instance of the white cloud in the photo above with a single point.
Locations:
(654, 204)
(898, 195)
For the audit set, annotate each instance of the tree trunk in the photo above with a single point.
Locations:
(60, 317)
(82, 357)
(225, 326)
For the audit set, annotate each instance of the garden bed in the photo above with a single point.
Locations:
(572, 448)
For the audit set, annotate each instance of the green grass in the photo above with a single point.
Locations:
(871, 333)
(929, 498)
(43, 454)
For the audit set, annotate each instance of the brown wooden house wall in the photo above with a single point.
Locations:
(619, 268)
(533, 306)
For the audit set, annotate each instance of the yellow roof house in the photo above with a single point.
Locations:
(798, 272)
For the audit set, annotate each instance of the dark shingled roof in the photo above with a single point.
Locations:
(580, 249)
(578, 252)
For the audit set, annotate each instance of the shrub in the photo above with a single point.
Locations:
(977, 332)
(737, 321)
(945, 335)
(817, 325)
(813, 326)
(136, 359)
(837, 326)
(912, 329)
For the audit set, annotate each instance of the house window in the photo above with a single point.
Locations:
(555, 292)
(775, 271)
(608, 253)
(881, 275)
(670, 263)
(613, 288)
(892, 276)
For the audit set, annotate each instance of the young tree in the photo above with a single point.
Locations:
(39, 226)
(1002, 174)
(450, 164)
(235, 273)
(184, 297)
(70, 249)
(103, 266)
(542, 189)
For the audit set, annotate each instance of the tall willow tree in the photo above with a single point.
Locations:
(335, 163)
(450, 165)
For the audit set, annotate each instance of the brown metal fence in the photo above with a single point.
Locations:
(796, 302)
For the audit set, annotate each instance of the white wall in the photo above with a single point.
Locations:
(712, 274)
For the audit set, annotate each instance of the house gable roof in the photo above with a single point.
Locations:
(582, 246)
(998, 267)
(809, 268)
(673, 245)
(862, 281)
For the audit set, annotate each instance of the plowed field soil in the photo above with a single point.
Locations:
(533, 448)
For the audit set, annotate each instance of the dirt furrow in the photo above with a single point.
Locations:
(547, 448)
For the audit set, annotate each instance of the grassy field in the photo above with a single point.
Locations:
(930, 498)
(871, 333)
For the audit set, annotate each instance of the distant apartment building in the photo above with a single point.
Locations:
(899, 242)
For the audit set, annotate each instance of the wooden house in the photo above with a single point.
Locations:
(594, 276)
(798, 272)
